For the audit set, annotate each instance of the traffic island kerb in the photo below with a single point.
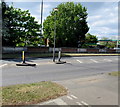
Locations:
(25, 64)
(60, 62)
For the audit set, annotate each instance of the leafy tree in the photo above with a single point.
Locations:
(92, 39)
(5, 29)
(71, 25)
(21, 27)
(111, 45)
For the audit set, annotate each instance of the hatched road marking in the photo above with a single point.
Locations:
(60, 102)
(56, 101)
(74, 96)
(3, 65)
(107, 60)
(84, 103)
(69, 97)
(78, 103)
(94, 60)
(79, 61)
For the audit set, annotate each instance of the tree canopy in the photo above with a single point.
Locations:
(91, 39)
(19, 27)
(70, 24)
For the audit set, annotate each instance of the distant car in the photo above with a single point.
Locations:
(117, 48)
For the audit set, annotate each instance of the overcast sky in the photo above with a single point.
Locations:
(102, 16)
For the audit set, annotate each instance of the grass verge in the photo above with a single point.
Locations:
(26, 94)
(117, 73)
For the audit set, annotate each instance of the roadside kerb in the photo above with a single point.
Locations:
(17, 56)
(77, 54)
(37, 64)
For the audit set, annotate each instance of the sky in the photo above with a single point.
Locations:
(102, 16)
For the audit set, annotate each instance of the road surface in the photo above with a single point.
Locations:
(86, 78)
(46, 70)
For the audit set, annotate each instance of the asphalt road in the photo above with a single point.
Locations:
(86, 78)
(46, 70)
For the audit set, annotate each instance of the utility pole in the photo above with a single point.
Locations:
(41, 15)
(55, 9)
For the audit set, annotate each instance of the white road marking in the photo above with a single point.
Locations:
(79, 61)
(60, 102)
(69, 97)
(74, 96)
(56, 101)
(107, 60)
(3, 65)
(84, 103)
(78, 103)
(44, 103)
(94, 60)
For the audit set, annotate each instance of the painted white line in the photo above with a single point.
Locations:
(84, 103)
(79, 61)
(69, 97)
(94, 60)
(3, 65)
(60, 102)
(56, 101)
(44, 103)
(107, 60)
(78, 103)
(74, 96)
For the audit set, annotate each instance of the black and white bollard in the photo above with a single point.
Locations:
(59, 56)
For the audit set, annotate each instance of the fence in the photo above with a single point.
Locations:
(49, 50)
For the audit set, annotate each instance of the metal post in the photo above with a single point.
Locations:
(117, 46)
(41, 15)
(54, 36)
(117, 43)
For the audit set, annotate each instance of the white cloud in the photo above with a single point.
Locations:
(94, 17)
(46, 10)
(45, 6)
(104, 21)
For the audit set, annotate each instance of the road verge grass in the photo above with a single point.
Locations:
(117, 73)
(27, 94)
